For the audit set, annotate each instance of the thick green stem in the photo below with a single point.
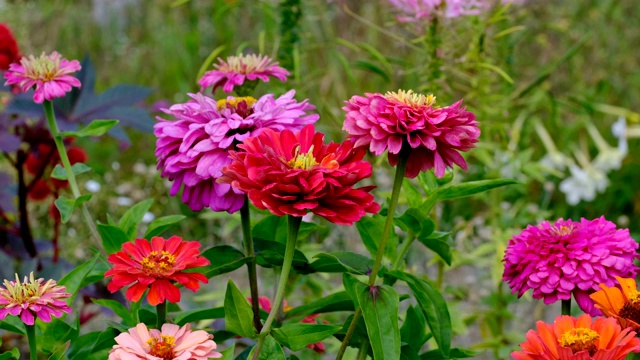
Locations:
(31, 337)
(566, 307)
(349, 334)
(71, 178)
(162, 313)
(292, 236)
(251, 264)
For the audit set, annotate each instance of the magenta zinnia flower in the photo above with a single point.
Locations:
(568, 258)
(237, 69)
(193, 149)
(294, 173)
(31, 298)
(171, 343)
(49, 74)
(392, 121)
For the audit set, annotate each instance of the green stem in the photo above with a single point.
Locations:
(31, 337)
(362, 352)
(349, 334)
(292, 236)
(411, 237)
(71, 178)
(251, 264)
(162, 313)
(566, 307)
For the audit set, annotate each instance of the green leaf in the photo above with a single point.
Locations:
(463, 190)
(438, 242)
(13, 354)
(184, 317)
(433, 306)
(73, 280)
(228, 354)
(95, 128)
(61, 352)
(339, 301)
(118, 309)
(298, 335)
(212, 56)
(342, 261)
(132, 217)
(350, 285)
(414, 219)
(105, 340)
(411, 192)
(274, 228)
(380, 311)
(370, 229)
(414, 329)
(61, 174)
(159, 225)
(271, 253)
(224, 259)
(55, 334)
(271, 350)
(66, 205)
(238, 314)
(365, 65)
(13, 324)
(112, 237)
(456, 353)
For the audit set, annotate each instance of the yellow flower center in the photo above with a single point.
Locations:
(303, 161)
(563, 230)
(44, 68)
(163, 347)
(631, 308)
(580, 339)
(410, 98)
(158, 263)
(233, 102)
(24, 292)
(244, 64)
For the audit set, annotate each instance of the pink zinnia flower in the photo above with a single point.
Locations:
(193, 149)
(156, 265)
(49, 74)
(31, 298)
(294, 173)
(237, 69)
(400, 119)
(171, 343)
(417, 10)
(569, 258)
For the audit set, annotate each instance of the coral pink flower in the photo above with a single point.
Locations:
(236, 69)
(171, 343)
(568, 258)
(31, 298)
(9, 52)
(193, 149)
(156, 264)
(392, 121)
(293, 173)
(49, 74)
(579, 339)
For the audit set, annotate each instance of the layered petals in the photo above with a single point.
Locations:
(235, 70)
(621, 303)
(31, 299)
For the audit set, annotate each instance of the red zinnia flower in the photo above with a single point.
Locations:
(157, 264)
(293, 173)
(9, 52)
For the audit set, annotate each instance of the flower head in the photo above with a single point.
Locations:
(156, 264)
(193, 149)
(49, 74)
(405, 119)
(622, 303)
(236, 69)
(31, 298)
(567, 257)
(578, 338)
(421, 10)
(294, 173)
(9, 52)
(172, 342)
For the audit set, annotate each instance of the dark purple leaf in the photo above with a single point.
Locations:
(9, 142)
(8, 191)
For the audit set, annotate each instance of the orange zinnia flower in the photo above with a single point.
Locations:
(579, 339)
(623, 305)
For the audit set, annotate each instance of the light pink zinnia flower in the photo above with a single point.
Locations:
(405, 119)
(236, 69)
(418, 10)
(569, 258)
(30, 299)
(50, 74)
(171, 343)
(193, 149)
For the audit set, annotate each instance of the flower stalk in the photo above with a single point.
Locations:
(566, 307)
(31, 337)
(161, 310)
(251, 264)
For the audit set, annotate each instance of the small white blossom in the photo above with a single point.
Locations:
(92, 186)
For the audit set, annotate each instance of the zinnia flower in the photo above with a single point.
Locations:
(236, 69)
(392, 121)
(293, 173)
(31, 298)
(569, 258)
(579, 339)
(193, 149)
(622, 304)
(156, 264)
(419, 10)
(9, 52)
(49, 74)
(171, 343)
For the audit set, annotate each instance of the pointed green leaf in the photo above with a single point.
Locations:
(112, 237)
(132, 217)
(463, 190)
(66, 205)
(184, 317)
(13, 324)
(61, 174)
(95, 128)
(159, 225)
(339, 301)
(380, 311)
(13, 354)
(350, 285)
(456, 353)
(370, 229)
(414, 329)
(224, 259)
(438, 242)
(55, 334)
(228, 353)
(238, 314)
(73, 280)
(118, 309)
(298, 335)
(271, 350)
(61, 352)
(342, 261)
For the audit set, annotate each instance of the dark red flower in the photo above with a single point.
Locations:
(294, 173)
(9, 52)
(39, 191)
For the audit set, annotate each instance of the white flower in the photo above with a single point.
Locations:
(92, 186)
(583, 184)
(619, 130)
(148, 217)
(124, 201)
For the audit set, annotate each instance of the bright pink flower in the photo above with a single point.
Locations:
(193, 149)
(392, 121)
(156, 264)
(31, 298)
(569, 258)
(49, 74)
(294, 173)
(9, 52)
(171, 343)
(237, 69)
